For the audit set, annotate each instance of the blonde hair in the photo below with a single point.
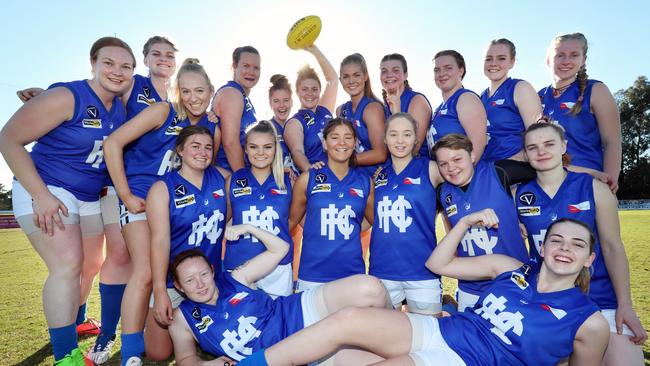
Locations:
(306, 73)
(189, 65)
(277, 166)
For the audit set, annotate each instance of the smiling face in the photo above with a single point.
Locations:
(566, 58)
(400, 137)
(308, 93)
(339, 144)
(260, 149)
(497, 62)
(195, 278)
(281, 103)
(113, 69)
(195, 93)
(196, 152)
(455, 166)
(543, 149)
(161, 60)
(247, 71)
(353, 79)
(567, 249)
(447, 74)
(392, 75)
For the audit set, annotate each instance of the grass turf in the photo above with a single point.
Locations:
(23, 331)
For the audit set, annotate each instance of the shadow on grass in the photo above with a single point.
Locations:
(646, 357)
(37, 357)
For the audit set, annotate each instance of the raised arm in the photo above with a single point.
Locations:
(263, 263)
(473, 118)
(230, 108)
(328, 97)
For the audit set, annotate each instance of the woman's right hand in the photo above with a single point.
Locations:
(162, 308)
(29, 93)
(47, 212)
(134, 204)
(486, 218)
(317, 165)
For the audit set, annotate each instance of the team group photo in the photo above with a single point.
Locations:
(344, 183)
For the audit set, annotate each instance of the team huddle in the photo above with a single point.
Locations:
(199, 205)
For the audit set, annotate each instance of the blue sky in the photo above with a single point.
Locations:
(48, 41)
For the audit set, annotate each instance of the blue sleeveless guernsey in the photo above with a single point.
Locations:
(196, 216)
(405, 101)
(152, 155)
(243, 320)
(331, 244)
(312, 129)
(71, 156)
(505, 126)
(445, 119)
(287, 162)
(247, 119)
(484, 191)
(404, 233)
(584, 144)
(575, 200)
(262, 205)
(363, 138)
(143, 94)
(515, 325)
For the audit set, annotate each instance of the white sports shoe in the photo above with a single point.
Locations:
(101, 351)
(134, 361)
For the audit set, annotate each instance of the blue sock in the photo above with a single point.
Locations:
(111, 302)
(63, 340)
(132, 345)
(256, 359)
(81, 314)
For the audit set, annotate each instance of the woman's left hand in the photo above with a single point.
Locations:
(626, 315)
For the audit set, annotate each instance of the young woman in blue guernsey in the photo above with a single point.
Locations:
(365, 111)
(334, 200)
(511, 104)
(399, 97)
(585, 108)
(304, 131)
(57, 186)
(461, 111)
(558, 193)
(231, 318)
(150, 136)
(260, 195)
(532, 314)
(281, 103)
(235, 110)
(405, 220)
(186, 209)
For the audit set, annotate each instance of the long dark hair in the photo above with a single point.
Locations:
(332, 124)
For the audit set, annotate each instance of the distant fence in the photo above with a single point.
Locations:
(634, 205)
(7, 220)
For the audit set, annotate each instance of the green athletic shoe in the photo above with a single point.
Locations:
(75, 358)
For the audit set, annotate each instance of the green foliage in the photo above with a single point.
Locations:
(5, 198)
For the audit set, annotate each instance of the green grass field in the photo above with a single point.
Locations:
(23, 332)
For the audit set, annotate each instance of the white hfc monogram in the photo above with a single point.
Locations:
(204, 227)
(263, 220)
(395, 212)
(96, 156)
(503, 321)
(234, 342)
(331, 218)
(478, 236)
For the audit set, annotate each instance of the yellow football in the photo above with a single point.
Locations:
(304, 32)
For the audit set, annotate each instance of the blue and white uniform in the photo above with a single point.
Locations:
(243, 320)
(287, 161)
(363, 134)
(143, 94)
(584, 143)
(331, 246)
(484, 191)
(505, 127)
(313, 124)
(575, 200)
(445, 119)
(247, 119)
(405, 101)
(197, 217)
(514, 324)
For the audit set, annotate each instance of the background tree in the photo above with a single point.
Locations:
(5, 198)
(634, 107)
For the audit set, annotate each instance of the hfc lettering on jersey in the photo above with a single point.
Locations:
(96, 156)
(395, 212)
(204, 324)
(184, 201)
(332, 218)
(503, 322)
(263, 220)
(538, 239)
(234, 342)
(169, 162)
(209, 228)
(479, 237)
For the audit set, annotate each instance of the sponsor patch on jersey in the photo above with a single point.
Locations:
(204, 324)
(246, 191)
(218, 193)
(144, 100)
(323, 187)
(443, 112)
(519, 280)
(173, 130)
(320, 178)
(451, 210)
(579, 207)
(184, 201)
(356, 192)
(277, 192)
(237, 298)
(529, 210)
(180, 190)
(408, 180)
(380, 182)
(559, 313)
(527, 198)
(566, 106)
(497, 102)
(91, 123)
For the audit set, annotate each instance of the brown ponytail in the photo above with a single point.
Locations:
(584, 277)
